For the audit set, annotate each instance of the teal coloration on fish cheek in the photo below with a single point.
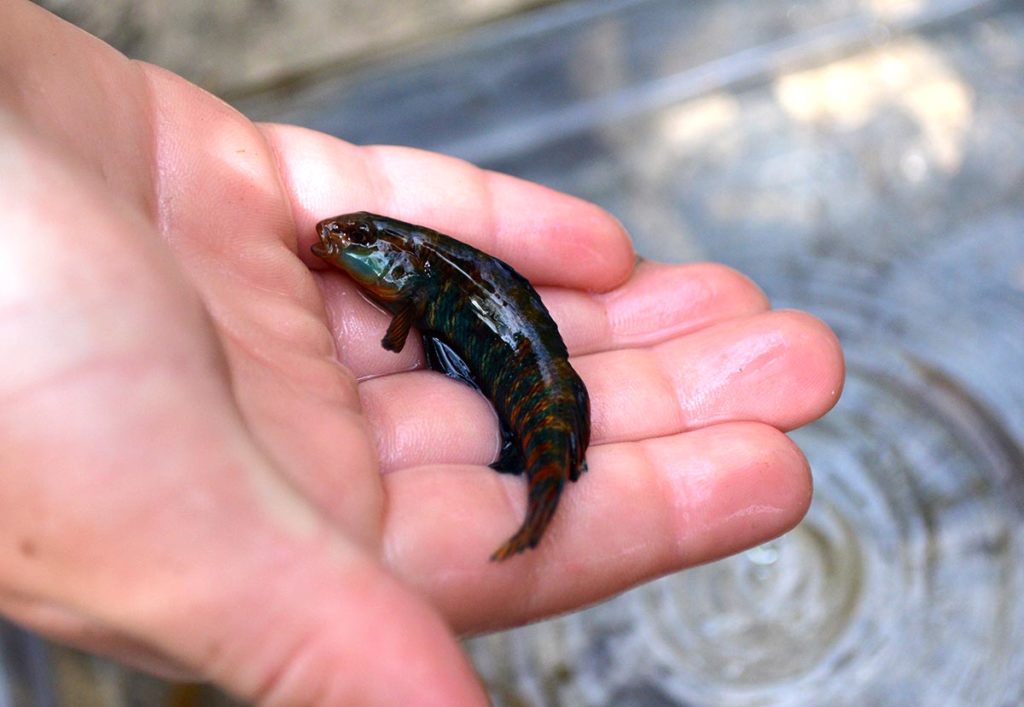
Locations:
(365, 266)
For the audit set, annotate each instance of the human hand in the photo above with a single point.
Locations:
(200, 474)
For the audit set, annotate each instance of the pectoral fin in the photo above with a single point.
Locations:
(398, 330)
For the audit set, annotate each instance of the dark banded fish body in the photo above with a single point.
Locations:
(483, 324)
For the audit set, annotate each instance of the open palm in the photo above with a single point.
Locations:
(210, 466)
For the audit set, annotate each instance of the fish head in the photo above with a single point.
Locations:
(380, 258)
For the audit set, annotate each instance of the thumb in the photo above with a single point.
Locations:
(139, 518)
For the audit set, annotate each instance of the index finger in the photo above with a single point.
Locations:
(549, 237)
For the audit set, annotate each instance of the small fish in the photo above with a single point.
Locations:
(483, 324)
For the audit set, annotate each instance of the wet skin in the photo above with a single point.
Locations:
(483, 324)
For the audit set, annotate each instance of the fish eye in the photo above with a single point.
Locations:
(360, 234)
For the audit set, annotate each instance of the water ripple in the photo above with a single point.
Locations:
(902, 582)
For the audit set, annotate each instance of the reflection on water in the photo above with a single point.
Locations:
(904, 581)
(881, 192)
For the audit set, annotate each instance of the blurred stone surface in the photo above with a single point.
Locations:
(237, 46)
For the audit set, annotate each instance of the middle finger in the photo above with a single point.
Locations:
(657, 303)
(779, 368)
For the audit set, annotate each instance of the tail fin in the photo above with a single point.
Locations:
(545, 489)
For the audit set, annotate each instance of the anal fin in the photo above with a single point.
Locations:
(442, 357)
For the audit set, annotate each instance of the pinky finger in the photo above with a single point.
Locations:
(644, 509)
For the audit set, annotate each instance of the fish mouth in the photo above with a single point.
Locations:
(324, 246)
